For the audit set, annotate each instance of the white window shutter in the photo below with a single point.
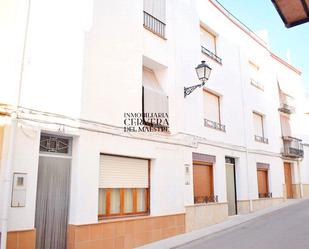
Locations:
(155, 100)
(123, 172)
(258, 124)
(211, 107)
(208, 40)
(156, 8)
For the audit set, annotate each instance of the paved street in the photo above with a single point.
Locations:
(287, 228)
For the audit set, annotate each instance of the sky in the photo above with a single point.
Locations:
(258, 15)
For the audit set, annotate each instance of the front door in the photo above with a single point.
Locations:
(52, 200)
(231, 188)
(288, 180)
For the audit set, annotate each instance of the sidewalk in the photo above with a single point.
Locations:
(229, 223)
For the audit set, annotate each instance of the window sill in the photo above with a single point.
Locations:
(257, 85)
(260, 139)
(214, 125)
(123, 218)
(211, 55)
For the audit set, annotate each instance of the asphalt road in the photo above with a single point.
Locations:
(286, 228)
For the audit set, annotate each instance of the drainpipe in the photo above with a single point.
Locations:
(8, 168)
(245, 135)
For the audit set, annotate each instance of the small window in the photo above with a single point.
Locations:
(123, 186)
(203, 183)
(212, 111)
(255, 75)
(154, 16)
(209, 44)
(258, 123)
(154, 101)
(55, 144)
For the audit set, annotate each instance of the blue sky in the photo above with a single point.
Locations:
(257, 15)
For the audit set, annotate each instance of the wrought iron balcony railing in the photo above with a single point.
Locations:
(205, 199)
(154, 25)
(257, 84)
(261, 139)
(211, 55)
(214, 125)
(292, 147)
(286, 108)
(265, 195)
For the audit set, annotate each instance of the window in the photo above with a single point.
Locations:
(258, 122)
(285, 125)
(262, 178)
(212, 111)
(154, 16)
(209, 44)
(203, 182)
(255, 75)
(154, 101)
(123, 186)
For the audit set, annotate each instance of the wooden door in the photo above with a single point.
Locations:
(262, 182)
(203, 180)
(288, 180)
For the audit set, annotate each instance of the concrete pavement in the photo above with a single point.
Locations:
(286, 220)
(287, 228)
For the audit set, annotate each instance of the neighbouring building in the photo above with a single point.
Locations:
(76, 171)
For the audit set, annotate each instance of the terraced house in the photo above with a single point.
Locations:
(75, 172)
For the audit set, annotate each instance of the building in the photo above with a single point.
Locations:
(71, 157)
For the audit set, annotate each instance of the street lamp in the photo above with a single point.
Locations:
(203, 72)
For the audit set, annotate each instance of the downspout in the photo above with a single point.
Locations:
(8, 169)
(245, 134)
(300, 180)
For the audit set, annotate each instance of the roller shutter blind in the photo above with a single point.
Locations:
(254, 71)
(285, 125)
(208, 40)
(154, 98)
(211, 107)
(123, 172)
(156, 8)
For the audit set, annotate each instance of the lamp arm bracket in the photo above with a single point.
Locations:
(190, 89)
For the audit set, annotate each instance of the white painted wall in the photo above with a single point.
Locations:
(87, 62)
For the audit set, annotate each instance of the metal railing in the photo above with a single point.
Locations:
(265, 195)
(211, 55)
(292, 147)
(286, 108)
(154, 25)
(257, 84)
(205, 199)
(214, 125)
(261, 139)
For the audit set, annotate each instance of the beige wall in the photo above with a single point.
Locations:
(305, 190)
(125, 233)
(202, 215)
(259, 204)
(296, 190)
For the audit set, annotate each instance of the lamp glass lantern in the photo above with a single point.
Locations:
(203, 71)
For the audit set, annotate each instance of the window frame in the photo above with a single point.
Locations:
(122, 214)
(262, 123)
(214, 39)
(219, 104)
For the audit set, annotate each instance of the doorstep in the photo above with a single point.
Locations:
(232, 221)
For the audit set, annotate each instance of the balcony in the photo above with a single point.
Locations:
(260, 139)
(211, 55)
(154, 25)
(214, 125)
(205, 199)
(286, 103)
(292, 147)
(286, 108)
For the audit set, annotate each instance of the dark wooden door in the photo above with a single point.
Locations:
(288, 180)
(203, 180)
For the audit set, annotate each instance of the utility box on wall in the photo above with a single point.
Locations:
(19, 190)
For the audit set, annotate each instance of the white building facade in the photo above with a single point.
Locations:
(75, 170)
